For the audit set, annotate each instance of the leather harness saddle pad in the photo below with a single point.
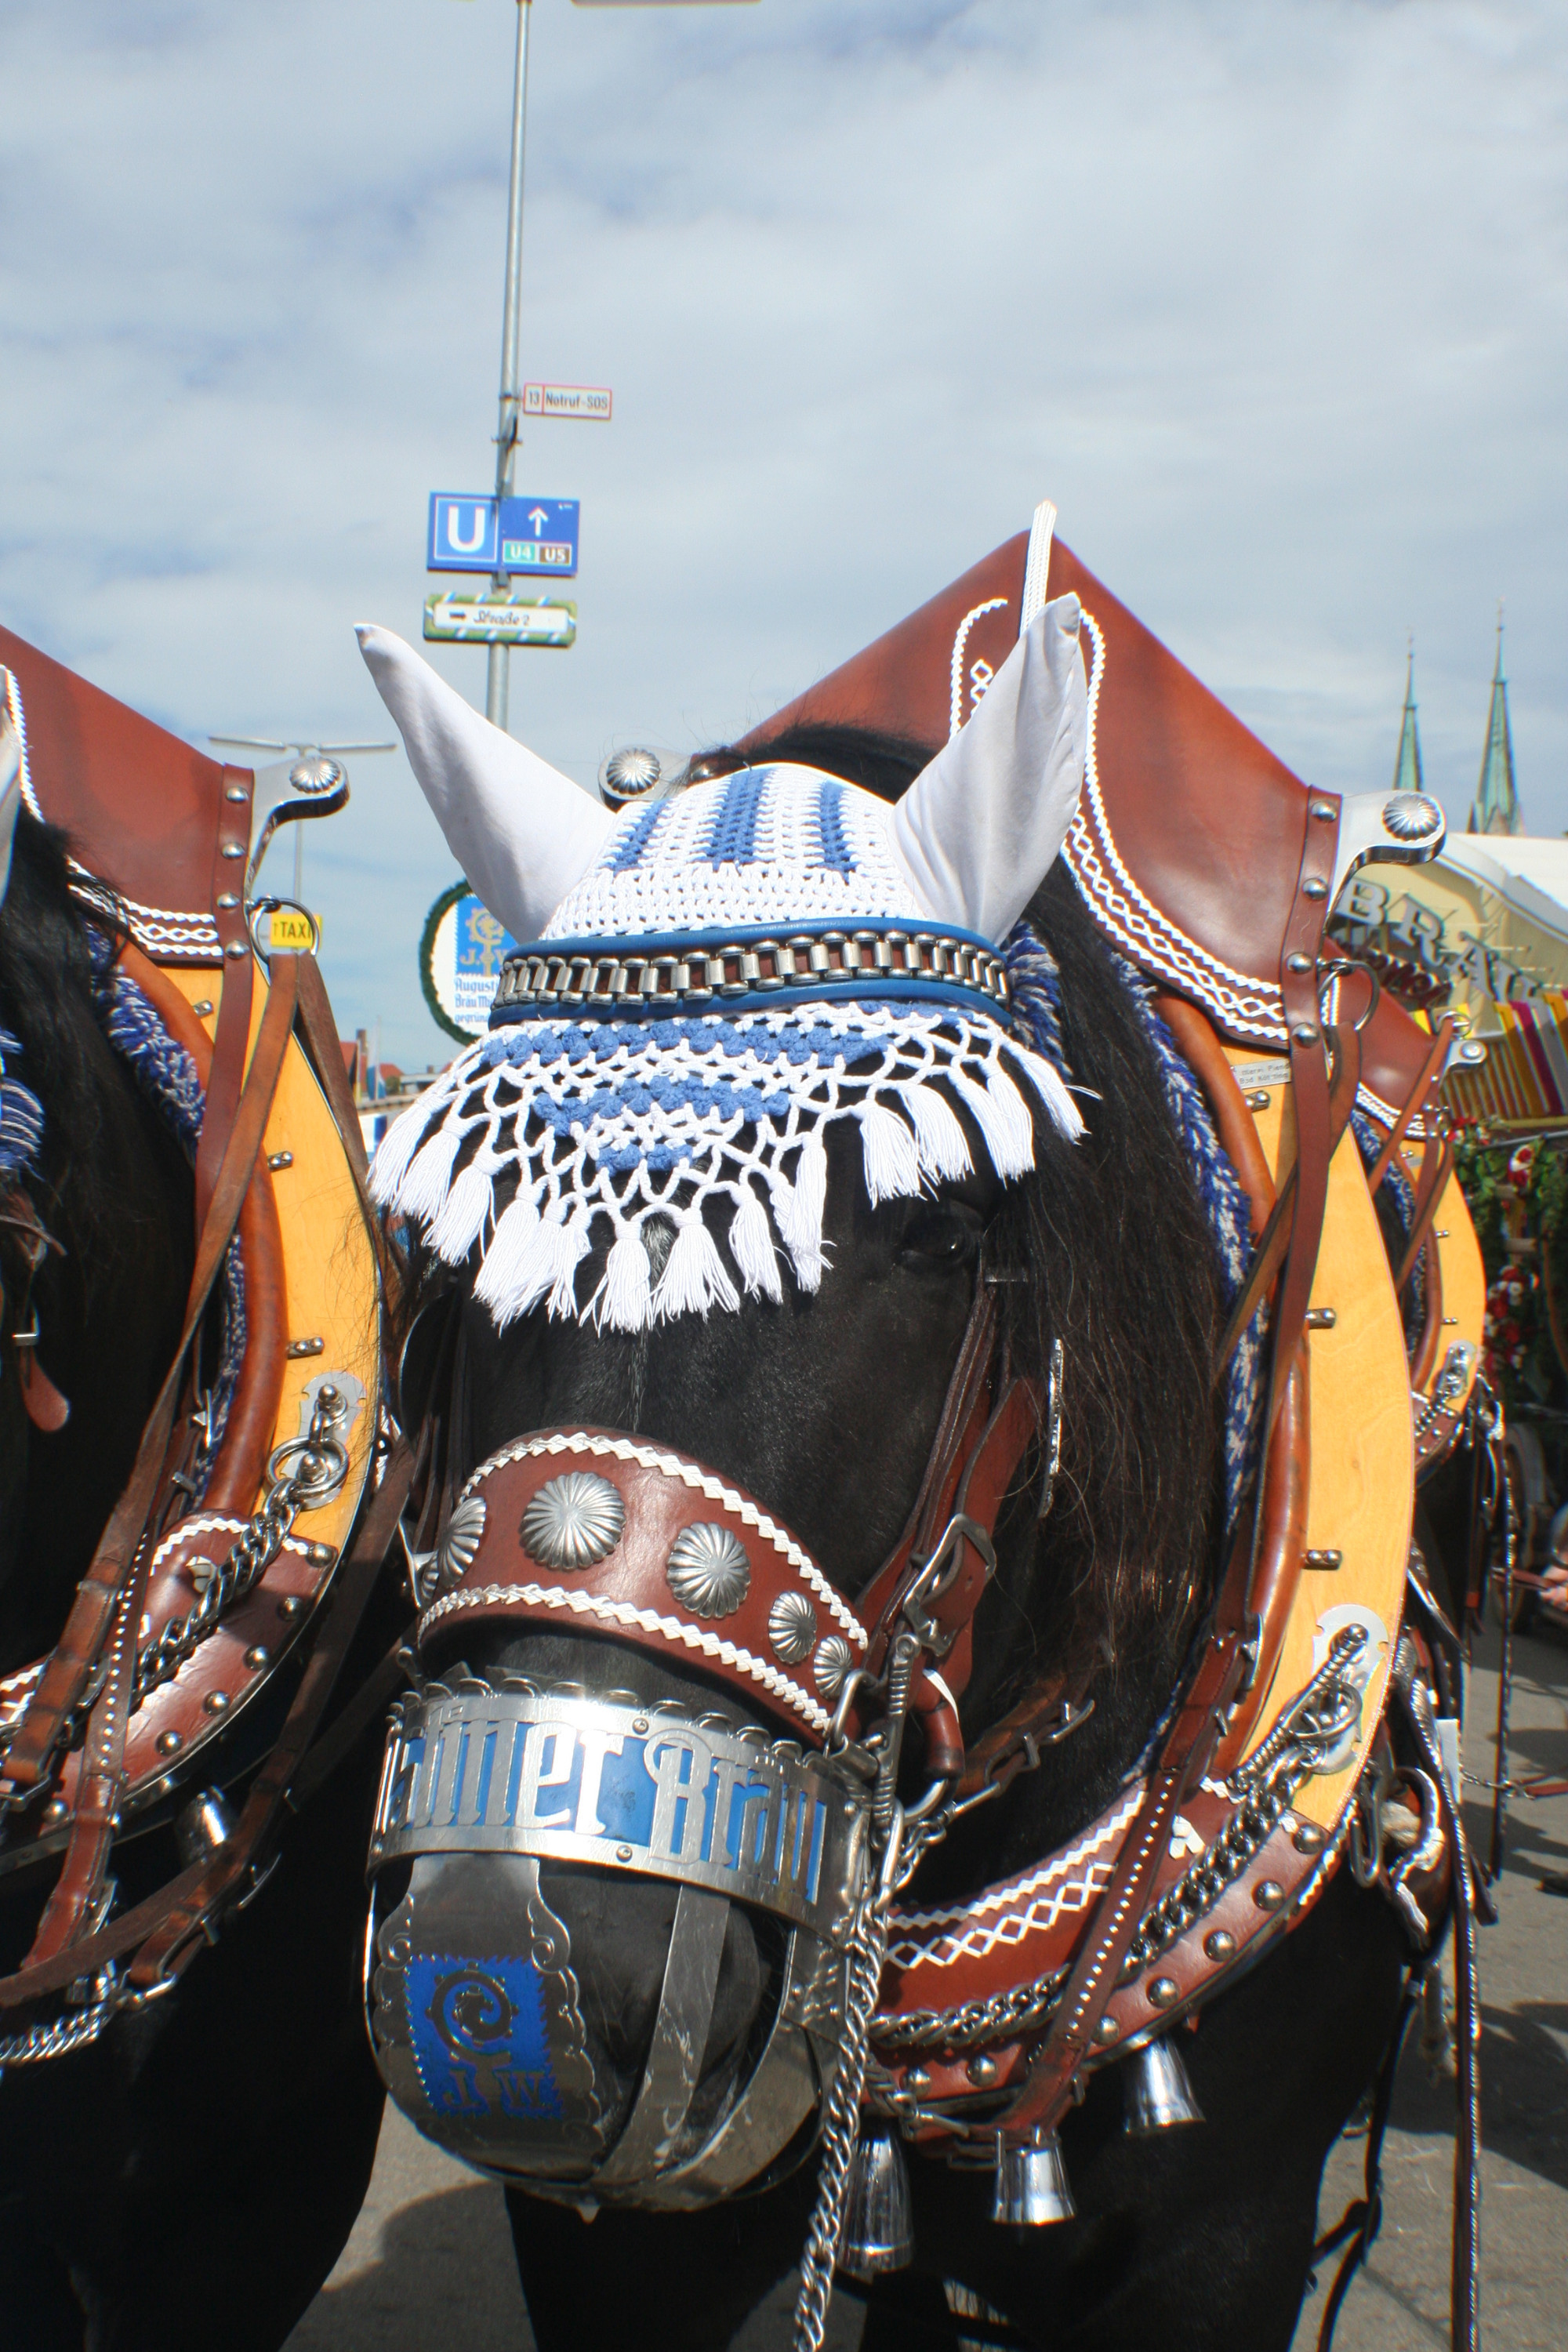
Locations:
(165, 826)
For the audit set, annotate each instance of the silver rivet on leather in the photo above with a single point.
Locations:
(791, 1627)
(573, 1521)
(709, 1572)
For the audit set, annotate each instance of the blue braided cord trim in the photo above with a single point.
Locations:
(732, 836)
(166, 1074)
(601, 1041)
(21, 1117)
(836, 854)
(629, 852)
(1037, 989)
(21, 1129)
(1370, 1139)
(1226, 1208)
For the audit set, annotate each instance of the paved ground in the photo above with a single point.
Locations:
(430, 2258)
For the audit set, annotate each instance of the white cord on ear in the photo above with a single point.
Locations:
(1037, 563)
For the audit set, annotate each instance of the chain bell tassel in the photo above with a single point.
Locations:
(1032, 2186)
(1159, 2095)
(878, 2231)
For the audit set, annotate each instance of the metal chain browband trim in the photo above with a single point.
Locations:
(673, 974)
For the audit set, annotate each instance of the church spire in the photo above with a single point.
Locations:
(1408, 759)
(1496, 808)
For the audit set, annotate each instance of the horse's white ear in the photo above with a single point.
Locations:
(980, 828)
(521, 831)
(10, 796)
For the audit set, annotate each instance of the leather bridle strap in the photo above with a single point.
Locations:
(221, 1107)
(322, 1038)
(181, 1911)
(1281, 1233)
(1429, 1078)
(89, 1626)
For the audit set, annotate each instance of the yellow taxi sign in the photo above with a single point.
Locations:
(292, 931)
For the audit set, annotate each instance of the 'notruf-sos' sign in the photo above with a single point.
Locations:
(488, 534)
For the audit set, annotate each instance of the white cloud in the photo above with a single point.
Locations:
(1270, 298)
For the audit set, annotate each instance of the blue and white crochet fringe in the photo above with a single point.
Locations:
(627, 1121)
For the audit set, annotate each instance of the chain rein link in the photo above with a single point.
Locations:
(304, 1474)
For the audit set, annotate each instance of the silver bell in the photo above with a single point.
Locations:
(878, 2231)
(1159, 2095)
(1032, 2185)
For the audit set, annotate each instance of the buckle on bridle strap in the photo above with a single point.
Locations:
(936, 1576)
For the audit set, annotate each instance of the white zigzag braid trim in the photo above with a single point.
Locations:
(647, 1621)
(711, 1123)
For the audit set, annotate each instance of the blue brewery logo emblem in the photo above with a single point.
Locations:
(478, 2033)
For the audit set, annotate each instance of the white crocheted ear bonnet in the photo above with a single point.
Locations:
(715, 978)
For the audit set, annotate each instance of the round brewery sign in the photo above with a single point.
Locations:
(460, 957)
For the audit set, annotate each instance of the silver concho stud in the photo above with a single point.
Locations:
(573, 1521)
(709, 1572)
(791, 1627)
(833, 1660)
(1412, 816)
(461, 1544)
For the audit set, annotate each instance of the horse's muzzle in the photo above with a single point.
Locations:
(476, 2005)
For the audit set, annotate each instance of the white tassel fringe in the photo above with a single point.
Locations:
(694, 1278)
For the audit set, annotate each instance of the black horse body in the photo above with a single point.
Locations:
(190, 2176)
(825, 1408)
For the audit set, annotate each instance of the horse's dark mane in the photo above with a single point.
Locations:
(46, 1001)
(1118, 1262)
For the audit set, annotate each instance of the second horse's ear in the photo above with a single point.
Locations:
(426, 1353)
(523, 833)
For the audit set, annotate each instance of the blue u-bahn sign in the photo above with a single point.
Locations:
(475, 533)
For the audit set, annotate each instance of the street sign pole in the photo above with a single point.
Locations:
(510, 338)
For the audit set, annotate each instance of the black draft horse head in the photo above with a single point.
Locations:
(824, 1406)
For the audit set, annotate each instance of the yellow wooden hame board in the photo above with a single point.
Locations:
(328, 1267)
(1360, 1494)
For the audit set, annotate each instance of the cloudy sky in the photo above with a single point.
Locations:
(1269, 295)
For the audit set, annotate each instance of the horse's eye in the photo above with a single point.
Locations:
(941, 1233)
